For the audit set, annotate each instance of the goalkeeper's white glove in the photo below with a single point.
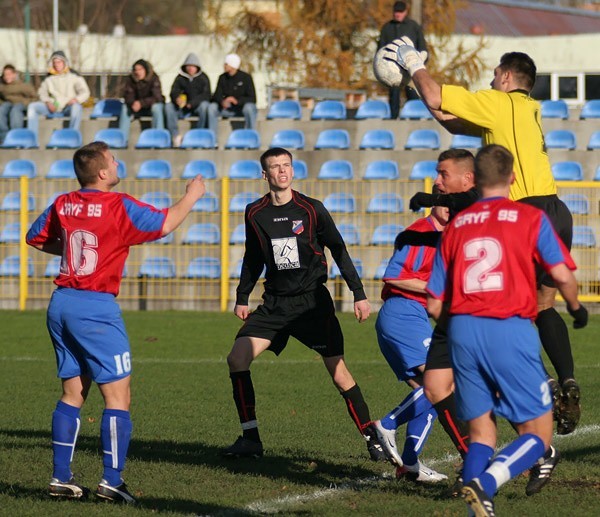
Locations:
(409, 57)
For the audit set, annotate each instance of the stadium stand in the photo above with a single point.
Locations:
(287, 108)
(207, 203)
(204, 267)
(423, 139)
(61, 169)
(584, 237)
(591, 109)
(349, 233)
(288, 139)
(423, 169)
(157, 267)
(154, 139)
(378, 139)
(597, 174)
(380, 271)
(465, 142)
(18, 168)
(202, 233)
(12, 201)
(555, 109)
(336, 170)
(386, 202)
(373, 109)
(239, 202)
(560, 139)
(107, 108)
(594, 142)
(154, 170)
(20, 139)
(243, 139)
(300, 170)
(11, 233)
(415, 109)
(329, 110)
(65, 139)
(199, 139)
(340, 202)
(113, 137)
(52, 268)
(335, 270)
(385, 234)
(11, 266)
(333, 139)
(578, 204)
(167, 239)
(52, 197)
(567, 171)
(207, 168)
(245, 169)
(381, 170)
(121, 169)
(158, 200)
(238, 235)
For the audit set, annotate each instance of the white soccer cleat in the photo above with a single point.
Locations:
(420, 473)
(387, 439)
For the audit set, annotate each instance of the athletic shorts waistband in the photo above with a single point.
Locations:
(88, 295)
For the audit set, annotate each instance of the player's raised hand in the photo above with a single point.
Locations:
(580, 316)
(408, 56)
(196, 187)
(420, 200)
(362, 309)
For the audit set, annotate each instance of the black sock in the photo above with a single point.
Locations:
(243, 395)
(357, 408)
(456, 429)
(555, 340)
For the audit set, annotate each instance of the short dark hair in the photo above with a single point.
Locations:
(88, 160)
(271, 153)
(459, 155)
(9, 67)
(399, 7)
(522, 67)
(493, 166)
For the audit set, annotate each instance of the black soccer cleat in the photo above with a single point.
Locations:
(457, 486)
(570, 410)
(540, 473)
(478, 501)
(376, 452)
(115, 494)
(243, 448)
(556, 394)
(67, 489)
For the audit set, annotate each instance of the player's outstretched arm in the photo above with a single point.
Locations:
(362, 309)
(241, 311)
(567, 285)
(194, 190)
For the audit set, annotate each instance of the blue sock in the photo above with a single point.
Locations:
(417, 432)
(515, 458)
(115, 433)
(65, 428)
(412, 406)
(476, 461)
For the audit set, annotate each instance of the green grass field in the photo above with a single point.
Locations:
(315, 461)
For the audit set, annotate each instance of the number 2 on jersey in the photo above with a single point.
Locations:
(478, 276)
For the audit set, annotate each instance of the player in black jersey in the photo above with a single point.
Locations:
(287, 232)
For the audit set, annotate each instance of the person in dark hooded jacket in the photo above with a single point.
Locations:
(143, 97)
(190, 95)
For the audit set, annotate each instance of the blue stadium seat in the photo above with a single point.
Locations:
(381, 269)
(333, 139)
(207, 168)
(594, 142)
(335, 270)
(204, 267)
(336, 170)
(415, 110)
(12, 201)
(555, 109)
(591, 109)
(61, 169)
(11, 233)
(378, 139)
(423, 139)
(560, 139)
(578, 204)
(154, 170)
(166, 239)
(382, 170)
(300, 170)
(373, 108)
(199, 139)
(202, 233)
(238, 235)
(385, 234)
(386, 202)
(113, 137)
(52, 197)
(423, 169)
(121, 169)
(340, 202)
(209, 202)
(237, 270)
(349, 233)
(329, 110)
(18, 168)
(157, 267)
(246, 170)
(243, 139)
(107, 108)
(11, 266)
(52, 267)
(465, 142)
(65, 139)
(154, 139)
(285, 109)
(20, 139)
(158, 200)
(567, 171)
(239, 202)
(288, 139)
(584, 237)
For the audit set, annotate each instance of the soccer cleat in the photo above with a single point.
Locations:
(116, 494)
(67, 489)
(373, 446)
(556, 393)
(540, 473)
(478, 501)
(387, 439)
(419, 473)
(457, 485)
(243, 448)
(570, 410)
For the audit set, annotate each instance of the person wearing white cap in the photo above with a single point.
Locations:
(234, 96)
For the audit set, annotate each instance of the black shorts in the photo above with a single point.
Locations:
(561, 219)
(309, 317)
(438, 357)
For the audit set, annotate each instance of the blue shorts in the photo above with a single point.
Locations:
(404, 334)
(88, 334)
(497, 367)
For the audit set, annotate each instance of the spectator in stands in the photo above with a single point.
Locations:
(235, 95)
(401, 25)
(62, 92)
(15, 95)
(190, 94)
(143, 97)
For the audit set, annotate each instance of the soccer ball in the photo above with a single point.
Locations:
(386, 68)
